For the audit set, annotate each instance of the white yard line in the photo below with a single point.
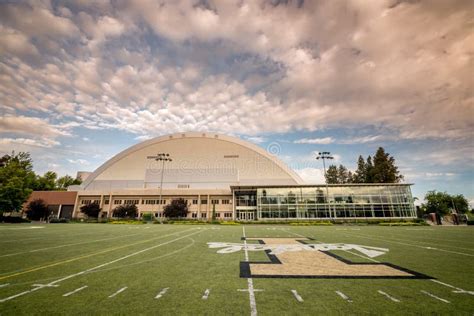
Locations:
(297, 296)
(434, 296)
(3, 285)
(456, 289)
(344, 296)
(66, 245)
(118, 292)
(253, 303)
(393, 299)
(206, 294)
(162, 292)
(53, 283)
(414, 245)
(75, 291)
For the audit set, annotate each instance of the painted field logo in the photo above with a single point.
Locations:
(299, 258)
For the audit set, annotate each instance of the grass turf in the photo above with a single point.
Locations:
(177, 257)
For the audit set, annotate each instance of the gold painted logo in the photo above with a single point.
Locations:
(302, 258)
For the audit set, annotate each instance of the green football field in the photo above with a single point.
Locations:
(170, 269)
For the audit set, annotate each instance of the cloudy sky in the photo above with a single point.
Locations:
(82, 80)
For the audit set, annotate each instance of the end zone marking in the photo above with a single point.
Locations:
(388, 296)
(457, 290)
(297, 296)
(206, 294)
(118, 292)
(75, 291)
(434, 296)
(344, 296)
(162, 292)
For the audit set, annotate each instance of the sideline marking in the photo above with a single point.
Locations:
(457, 290)
(206, 294)
(297, 296)
(75, 291)
(344, 296)
(388, 296)
(253, 303)
(80, 257)
(118, 292)
(162, 292)
(434, 296)
(53, 283)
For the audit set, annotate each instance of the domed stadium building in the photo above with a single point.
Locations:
(238, 179)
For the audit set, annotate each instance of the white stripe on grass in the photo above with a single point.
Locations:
(101, 265)
(3, 285)
(457, 290)
(413, 245)
(297, 296)
(162, 292)
(344, 296)
(393, 299)
(206, 294)
(118, 292)
(253, 303)
(434, 296)
(75, 291)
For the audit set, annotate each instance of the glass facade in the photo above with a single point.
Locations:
(319, 202)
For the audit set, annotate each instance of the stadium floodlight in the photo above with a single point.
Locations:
(323, 156)
(163, 157)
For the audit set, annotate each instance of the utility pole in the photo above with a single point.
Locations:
(323, 156)
(163, 157)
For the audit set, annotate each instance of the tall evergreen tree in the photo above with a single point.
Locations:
(384, 169)
(360, 174)
(369, 171)
(332, 175)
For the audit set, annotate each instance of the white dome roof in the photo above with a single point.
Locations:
(200, 160)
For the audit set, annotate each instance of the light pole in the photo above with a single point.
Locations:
(323, 156)
(163, 157)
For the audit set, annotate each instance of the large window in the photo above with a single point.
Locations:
(358, 201)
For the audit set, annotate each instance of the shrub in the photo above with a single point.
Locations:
(147, 216)
(126, 211)
(92, 210)
(59, 220)
(37, 210)
(176, 209)
(13, 219)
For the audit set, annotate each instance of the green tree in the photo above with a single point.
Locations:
(369, 171)
(46, 182)
(361, 173)
(332, 175)
(176, 209)
(443, 203)
(16, 180)
(63, 182)
(92, 210)
(37, 210)
(337, 175)
(385, 170)
(125, 211)
(213, 212)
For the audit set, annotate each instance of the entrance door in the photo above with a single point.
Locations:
(246, 216)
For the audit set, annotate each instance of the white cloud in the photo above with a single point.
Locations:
(256, 139)
(311, 175)
(325, 140)
(81, 162)
(46, 143)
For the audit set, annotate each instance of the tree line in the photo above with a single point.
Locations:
(379, 169)
(18, 180)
